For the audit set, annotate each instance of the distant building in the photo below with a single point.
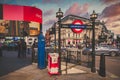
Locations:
(118, 38)
(19, 30)
(47, 38)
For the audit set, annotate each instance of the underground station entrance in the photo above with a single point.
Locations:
(18, 30)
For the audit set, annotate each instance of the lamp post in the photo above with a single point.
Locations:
(55, 38)
(93, 16)
(59, 15)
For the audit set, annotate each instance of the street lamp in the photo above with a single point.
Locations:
(59, 15)
(93, 16)
(55, 37)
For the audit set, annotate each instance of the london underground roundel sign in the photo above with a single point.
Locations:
(77, 22)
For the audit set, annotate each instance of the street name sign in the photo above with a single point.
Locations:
(77, 26)
(76, 30)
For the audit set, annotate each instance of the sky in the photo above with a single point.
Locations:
(108, 10)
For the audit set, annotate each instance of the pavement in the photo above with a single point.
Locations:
(13, 68)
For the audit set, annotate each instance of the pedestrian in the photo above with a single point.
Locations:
(1, 52)
(0, 49)
(19, 49)
(28, 49)
(24, 47)
(33, 51)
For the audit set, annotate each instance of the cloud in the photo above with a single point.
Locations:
(109, 1)
(47, 17)
(51, 1)
(111, 19)
(49, 22)
(5, 1)
(113, 23)
(116, 25)
(112, 10)
(48, 13)
(111, 16)
(76, 9)
(116, 30)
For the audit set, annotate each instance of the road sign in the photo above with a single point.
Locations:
(77, 22)
(77, 26)
(85, 26)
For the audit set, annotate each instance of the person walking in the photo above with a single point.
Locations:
(1, 50)
(19, 49)
(33, 51)
(24, 47)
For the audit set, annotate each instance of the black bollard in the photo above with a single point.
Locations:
(0, 52)
(102, 70)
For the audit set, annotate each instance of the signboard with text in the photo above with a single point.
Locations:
(76, 26)
(21, 13)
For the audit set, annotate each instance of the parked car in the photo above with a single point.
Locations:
(12, 46)
(103, 49)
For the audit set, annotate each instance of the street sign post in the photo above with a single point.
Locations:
(77, 26)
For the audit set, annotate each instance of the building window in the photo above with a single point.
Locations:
(68, 34)
(73, 34)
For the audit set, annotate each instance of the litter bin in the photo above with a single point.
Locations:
(53, 65)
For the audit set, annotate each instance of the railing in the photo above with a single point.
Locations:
(73, 55)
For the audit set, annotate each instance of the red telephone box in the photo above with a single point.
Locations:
(53, 65)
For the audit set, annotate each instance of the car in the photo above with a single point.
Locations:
(102, 49)
(12, 46)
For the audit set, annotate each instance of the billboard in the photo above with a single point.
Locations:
(2, 29)
(20, 13)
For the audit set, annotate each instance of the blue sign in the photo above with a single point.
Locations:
(15, 38)
(77, 26)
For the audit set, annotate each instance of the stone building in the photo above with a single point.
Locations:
(70, 38)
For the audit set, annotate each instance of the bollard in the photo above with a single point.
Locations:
(102, 70)
(0, 52)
